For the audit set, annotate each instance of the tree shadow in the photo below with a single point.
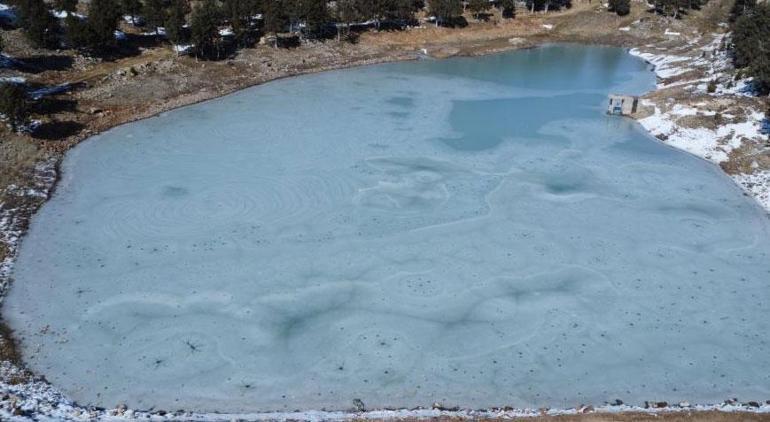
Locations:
(49, 106)
(56, 130)
(42, 63)
(454, 22)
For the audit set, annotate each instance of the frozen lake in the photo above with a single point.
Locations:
(474, 232)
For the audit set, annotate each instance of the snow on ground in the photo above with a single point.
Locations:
(7, 14)
(38, 401)
(713, 145)
(716, 144)
(756, 185)
(62, 14)
(10, 226)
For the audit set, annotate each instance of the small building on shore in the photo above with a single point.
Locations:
(622, 105)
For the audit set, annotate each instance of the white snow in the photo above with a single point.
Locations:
(713, 145)
(62, 14)
(548, 26)
(7, 14)
(183, 48)
(756, 185)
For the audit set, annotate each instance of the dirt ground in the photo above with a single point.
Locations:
(152, 79)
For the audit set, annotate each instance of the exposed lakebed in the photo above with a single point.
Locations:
(469, 231)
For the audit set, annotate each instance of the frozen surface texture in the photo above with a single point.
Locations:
(471, 231)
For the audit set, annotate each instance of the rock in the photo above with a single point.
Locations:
(439, 406)
(617, 402)
(585, 409)
(752, 404)
(95, 110)
(661, 404)
(358, 404)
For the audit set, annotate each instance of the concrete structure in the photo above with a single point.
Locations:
(622, 105)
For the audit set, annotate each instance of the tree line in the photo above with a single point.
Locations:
(249, 19)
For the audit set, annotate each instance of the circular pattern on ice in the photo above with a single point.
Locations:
(473, 231)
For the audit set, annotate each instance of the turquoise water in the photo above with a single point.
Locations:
(471, 231)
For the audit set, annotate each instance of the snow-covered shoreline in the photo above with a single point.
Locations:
(38, 400)
(730, 132)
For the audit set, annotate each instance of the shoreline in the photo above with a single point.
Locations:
(34, 397)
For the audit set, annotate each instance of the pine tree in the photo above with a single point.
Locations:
(39, 25)
(175, 21)
(132, 8)
(477, 7)
(68, 6)
(621, 7)
(741, 7)
(445, 10)
(276, 16)
(314, 13)
(13, 104)
(204, 28)
(102, 23)
(239, 13)
(509, 8)
(77, 31)
(751, 46)
(153, 13)
(346, 12)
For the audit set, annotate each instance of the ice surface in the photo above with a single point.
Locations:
(469, 231)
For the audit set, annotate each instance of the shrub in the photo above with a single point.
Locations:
(712, 87)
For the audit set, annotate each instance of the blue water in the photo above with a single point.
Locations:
(472, 231)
